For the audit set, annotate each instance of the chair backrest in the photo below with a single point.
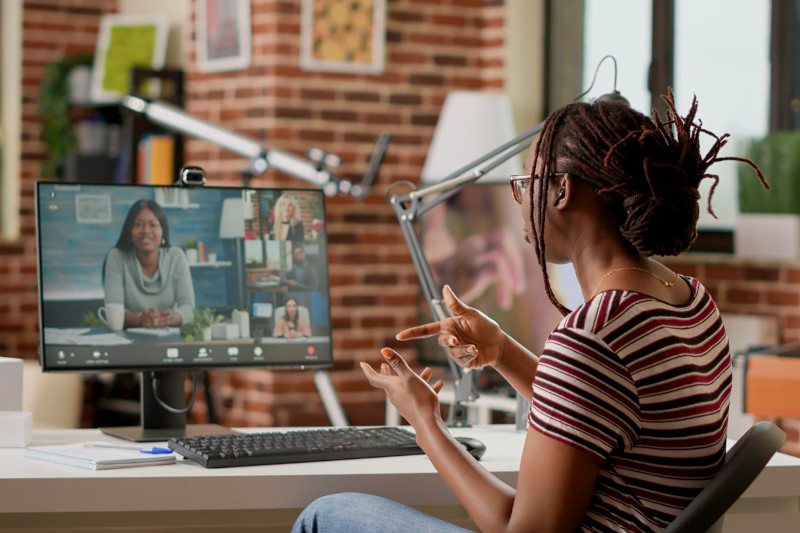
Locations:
(743, 463)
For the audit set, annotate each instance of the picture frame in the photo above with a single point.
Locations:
(223, 35)
(346, 36)
(125, 41)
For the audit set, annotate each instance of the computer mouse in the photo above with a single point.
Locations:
(475, 447)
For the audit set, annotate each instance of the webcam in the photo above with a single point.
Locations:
(192, 177)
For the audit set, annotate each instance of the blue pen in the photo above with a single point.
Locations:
(155, 450)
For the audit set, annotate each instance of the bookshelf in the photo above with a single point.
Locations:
(168, 86)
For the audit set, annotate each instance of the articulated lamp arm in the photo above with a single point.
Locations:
(314, 170)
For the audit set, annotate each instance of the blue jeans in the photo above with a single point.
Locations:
(351, 512)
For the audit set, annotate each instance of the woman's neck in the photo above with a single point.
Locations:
(148, 261)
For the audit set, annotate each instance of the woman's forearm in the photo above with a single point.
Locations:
(488, 500)
(518, 367)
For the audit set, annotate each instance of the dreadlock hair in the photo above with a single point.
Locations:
(647, 171)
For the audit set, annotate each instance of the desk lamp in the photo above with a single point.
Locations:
(410, 206)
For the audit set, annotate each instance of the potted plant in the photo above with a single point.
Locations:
(56, 112)
(212, 255)
(190, 247)
(200, 326)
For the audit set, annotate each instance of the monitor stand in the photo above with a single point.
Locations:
(157, 423)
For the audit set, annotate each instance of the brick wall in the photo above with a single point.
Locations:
(432, 48)
(51, 29)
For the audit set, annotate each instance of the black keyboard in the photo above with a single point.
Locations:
(297, 446)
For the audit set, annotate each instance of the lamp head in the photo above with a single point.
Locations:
(614, 98)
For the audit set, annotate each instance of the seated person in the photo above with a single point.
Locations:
(287, 224)
(291, 324)
(302, 275)
(150, 278)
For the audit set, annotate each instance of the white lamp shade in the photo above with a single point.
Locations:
(470, 125)
(231, 221)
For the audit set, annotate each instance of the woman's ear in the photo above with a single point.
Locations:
(564, 191)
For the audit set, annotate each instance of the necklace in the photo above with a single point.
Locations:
(663, 281)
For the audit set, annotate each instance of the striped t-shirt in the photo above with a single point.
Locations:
(643, 387)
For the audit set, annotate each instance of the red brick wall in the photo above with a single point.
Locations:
(432, 48)
(51, 29)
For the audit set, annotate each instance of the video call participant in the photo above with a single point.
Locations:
(291, 325)
(630, 395)
(287, 224)
(302, 275)
(147, 275)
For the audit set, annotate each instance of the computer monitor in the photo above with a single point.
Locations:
(164, 280)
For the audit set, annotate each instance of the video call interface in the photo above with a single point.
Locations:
(142, 277)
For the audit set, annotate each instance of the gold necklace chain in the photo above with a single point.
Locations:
(663, 281)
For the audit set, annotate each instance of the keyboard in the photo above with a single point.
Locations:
(297, 446)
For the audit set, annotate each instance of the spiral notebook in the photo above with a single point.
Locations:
(85, 456)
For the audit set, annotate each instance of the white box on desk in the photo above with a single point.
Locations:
(767, 236)
(16, 429)
(225, 330)
(10, 384)
(243, 319)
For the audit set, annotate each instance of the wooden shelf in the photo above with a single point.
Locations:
(216, 264)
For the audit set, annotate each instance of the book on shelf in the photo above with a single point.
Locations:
(155, 160)
(97, 456)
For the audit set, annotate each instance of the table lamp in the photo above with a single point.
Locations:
(496, 163)
(470, 123)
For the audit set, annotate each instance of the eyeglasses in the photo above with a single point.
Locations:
(520, 183)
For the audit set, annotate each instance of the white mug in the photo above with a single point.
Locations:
(113, 315)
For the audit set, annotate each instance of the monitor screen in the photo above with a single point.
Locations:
(135, 278)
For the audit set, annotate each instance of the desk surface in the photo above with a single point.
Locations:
(35, 486)
(31, 485)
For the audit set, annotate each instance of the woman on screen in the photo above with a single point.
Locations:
(291, 324)
(629, 397)
(288, 225)
(147, 276)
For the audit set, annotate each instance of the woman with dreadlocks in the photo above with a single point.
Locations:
(629, 397)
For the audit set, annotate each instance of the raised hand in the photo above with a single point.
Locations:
(471, 338)
(409, 392)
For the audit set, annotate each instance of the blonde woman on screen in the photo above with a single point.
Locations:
(287, 226)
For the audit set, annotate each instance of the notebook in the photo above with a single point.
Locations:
(84, 456)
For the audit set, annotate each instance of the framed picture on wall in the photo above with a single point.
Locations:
(343, 35)
(223, 36)
(125, 41)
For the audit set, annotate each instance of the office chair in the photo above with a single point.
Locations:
(743, 463)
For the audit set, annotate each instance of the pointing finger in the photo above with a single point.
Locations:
(419, 332)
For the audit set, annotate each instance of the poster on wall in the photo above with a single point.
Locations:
(123, 42)
(343, 35)
(223, 36)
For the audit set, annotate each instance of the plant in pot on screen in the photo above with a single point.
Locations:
(199, 329)
(190, 247)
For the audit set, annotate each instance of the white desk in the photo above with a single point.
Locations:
(40, 496)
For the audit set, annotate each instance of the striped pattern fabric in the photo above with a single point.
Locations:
(643, 387)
